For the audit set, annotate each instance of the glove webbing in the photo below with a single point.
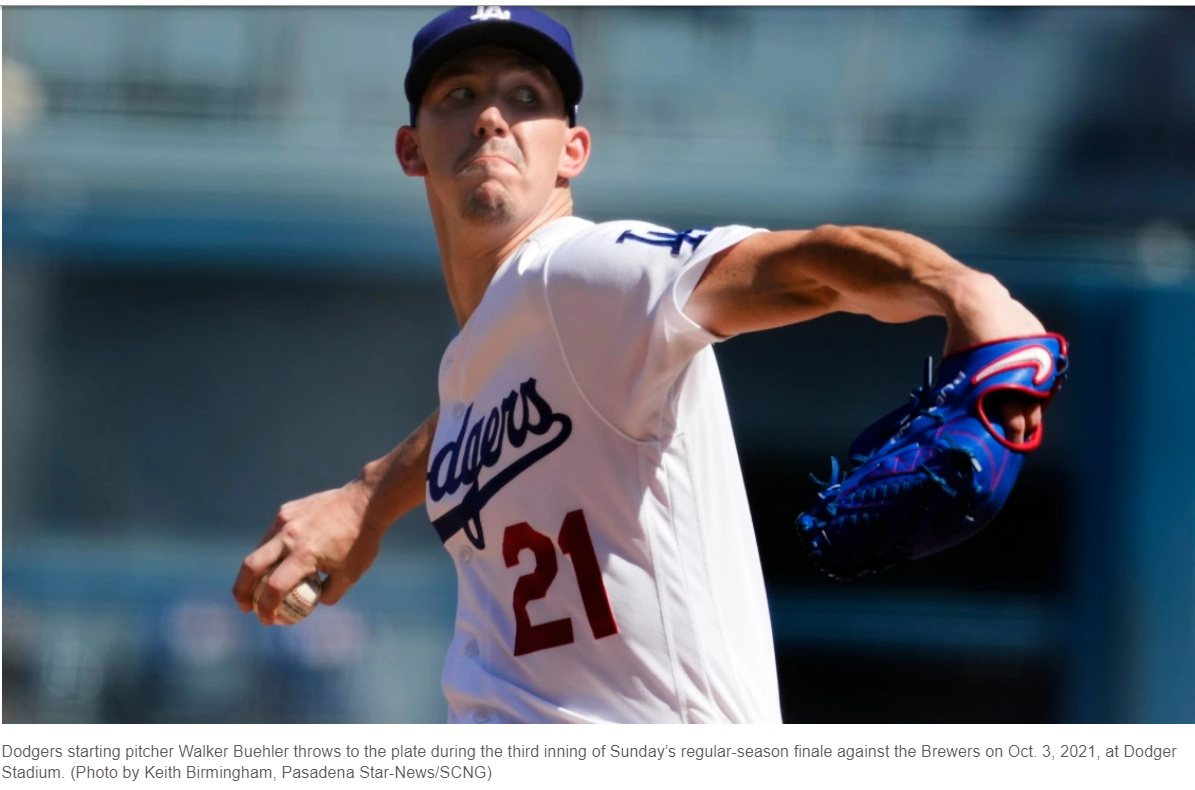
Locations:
(925, 494)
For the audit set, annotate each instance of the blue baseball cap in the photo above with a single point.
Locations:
(517, 27)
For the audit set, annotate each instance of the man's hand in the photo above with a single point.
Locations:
(934, 472)
(337, 532)
(980, 310)
(328, 532)
(1020, 415)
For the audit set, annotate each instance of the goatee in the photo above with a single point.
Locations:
(481, 208)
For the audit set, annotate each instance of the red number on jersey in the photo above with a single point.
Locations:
(532, 587)
(575, 543)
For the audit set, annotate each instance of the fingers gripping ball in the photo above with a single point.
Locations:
(298, 603)
(936, 471)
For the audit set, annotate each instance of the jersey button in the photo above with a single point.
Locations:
(465, 554)
(471, 648)
(458, 410)
(481, 716)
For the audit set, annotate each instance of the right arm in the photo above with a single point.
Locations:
(337, 532)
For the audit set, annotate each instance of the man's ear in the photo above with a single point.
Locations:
(575, 153)
(406, 147)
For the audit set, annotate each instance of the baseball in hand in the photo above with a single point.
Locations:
(298, 603)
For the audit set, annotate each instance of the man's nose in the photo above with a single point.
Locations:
(491, 123)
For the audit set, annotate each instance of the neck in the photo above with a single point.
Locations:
(471, 254)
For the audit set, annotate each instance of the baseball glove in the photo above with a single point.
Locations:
(935, 471)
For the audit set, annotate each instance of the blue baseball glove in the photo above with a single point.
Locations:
(935, 471)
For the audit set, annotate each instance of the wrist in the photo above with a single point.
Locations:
(378, 494)
(361, 493)
(981, 310)
(968, 295)
(370, 478)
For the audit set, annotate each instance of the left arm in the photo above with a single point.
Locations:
(775, 279)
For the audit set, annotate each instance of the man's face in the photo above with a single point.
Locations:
(492, 133)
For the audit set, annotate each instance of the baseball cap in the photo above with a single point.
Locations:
(525, 29)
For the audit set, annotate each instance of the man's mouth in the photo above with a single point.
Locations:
(487, 157)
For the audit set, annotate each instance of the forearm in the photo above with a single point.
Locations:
(890, 275)
(897, 277)
(396, 484)
(776, 279)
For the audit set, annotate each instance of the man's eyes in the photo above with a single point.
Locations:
(525, 95)
(522, 95)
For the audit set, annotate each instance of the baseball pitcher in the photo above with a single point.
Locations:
(580, 469)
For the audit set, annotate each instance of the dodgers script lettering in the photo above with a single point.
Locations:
(480, 445)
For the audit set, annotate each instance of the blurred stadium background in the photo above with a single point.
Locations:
(220, 293)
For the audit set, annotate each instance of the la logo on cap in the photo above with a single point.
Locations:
(485, 12)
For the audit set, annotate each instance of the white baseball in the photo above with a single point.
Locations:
(298, 603)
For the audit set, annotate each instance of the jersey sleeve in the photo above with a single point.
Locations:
(617, 293)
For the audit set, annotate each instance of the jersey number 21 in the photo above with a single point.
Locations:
(576, 545)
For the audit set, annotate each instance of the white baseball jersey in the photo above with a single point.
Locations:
(585, 480)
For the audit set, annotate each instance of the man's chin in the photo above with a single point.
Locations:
(487, 206)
